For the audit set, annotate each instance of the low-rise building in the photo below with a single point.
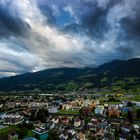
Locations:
(12, 119)
(38, 105)
(64, 120)
(55, 120)
(66, 106)
(99, 110)
(114, 113)
(13, 135)
(40, 133)
(81, 136)
(53, 110)
(63, 136)
(77, 122)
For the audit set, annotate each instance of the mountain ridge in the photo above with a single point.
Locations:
(124, 72)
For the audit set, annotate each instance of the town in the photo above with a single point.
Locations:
(72, 116)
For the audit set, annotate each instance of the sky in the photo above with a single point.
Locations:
(42, 34)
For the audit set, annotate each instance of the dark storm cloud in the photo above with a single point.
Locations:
(39, 34)
(11, 24)
(95, 23)
(91, 16)
(131, 27)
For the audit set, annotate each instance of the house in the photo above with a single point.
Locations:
(136, 127)
(125, 103)
(126, 109)
(71, 131)
(12, 135)
(76, 105)
(49, 125)
(122, 137)
(106, 105)
(66, 106)
(113, 111)
(102, 125)
(76, 108)
(10, 104)
(114, 106)
(108, 136)
(86, 111)
(77, 102)
(86, 103)
(99, 110)
(136, 103)
(120, 105)
(55, 120)
(126, 129)
(64, 120)
(38, 105)
(40, 133)
(81, 136)
(53, 110)
(58, 102)
(96, 102)
(119, 95)
(63, 136)
(1, 105)
(94, 124)
(77, 122)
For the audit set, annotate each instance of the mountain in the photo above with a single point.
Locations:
(118, 73)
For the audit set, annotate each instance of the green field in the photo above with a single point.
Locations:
(68, 112)
(20, 130)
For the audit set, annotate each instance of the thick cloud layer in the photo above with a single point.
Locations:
(40, 34)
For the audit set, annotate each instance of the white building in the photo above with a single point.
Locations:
(99, 110)
(77, 122)
(137, 103)
(113, 106)
(36, 105)
(86, 103)
(12, 119)
(53, 110)
(55, 120)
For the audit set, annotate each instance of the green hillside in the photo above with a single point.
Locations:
(119, 74)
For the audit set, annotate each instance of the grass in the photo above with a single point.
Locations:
(5, 131)
(68, 112)
(29, 133)
(134, 98)
(8, 129)
(20, 131)
(112, 103)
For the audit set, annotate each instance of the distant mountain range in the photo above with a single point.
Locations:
(117, 74)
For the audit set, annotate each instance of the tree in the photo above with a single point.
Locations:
(53, 135)
(40, 114)
(129, 104)
(138, 114)
(130, 117)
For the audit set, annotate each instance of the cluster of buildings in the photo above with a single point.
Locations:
(74, 117)
(97, 108)
(76, 128)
